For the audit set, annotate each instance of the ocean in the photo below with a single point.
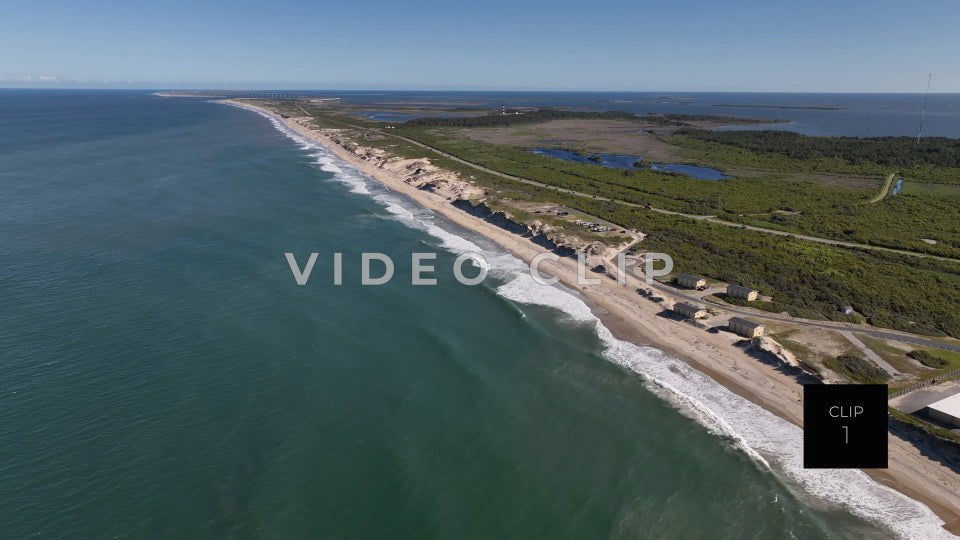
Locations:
(162, 375)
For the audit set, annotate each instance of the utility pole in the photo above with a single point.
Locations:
(923, 111)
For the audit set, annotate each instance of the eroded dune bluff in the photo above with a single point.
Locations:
(464, 194)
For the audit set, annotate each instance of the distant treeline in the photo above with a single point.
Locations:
(513, 117)
(894, 151)
(527, 117)
(684, 118)
(811, 107)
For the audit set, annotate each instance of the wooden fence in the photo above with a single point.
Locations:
(929, 382)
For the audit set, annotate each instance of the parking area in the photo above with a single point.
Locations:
(918, 399)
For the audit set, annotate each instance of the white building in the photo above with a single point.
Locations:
(946, 410)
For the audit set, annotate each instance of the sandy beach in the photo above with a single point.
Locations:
(633, 318)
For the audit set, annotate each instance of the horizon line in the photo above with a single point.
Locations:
(568, 91)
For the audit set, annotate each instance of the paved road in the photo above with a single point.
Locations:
(711, 219)
(870, 354)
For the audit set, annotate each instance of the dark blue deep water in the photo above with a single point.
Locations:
(161, 374)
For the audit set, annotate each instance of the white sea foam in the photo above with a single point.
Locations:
(323, 158)
(393, 205)
(756, 431)
(771, 441)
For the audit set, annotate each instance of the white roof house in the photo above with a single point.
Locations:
(946, 410)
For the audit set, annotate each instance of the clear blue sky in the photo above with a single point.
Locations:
(673, 45)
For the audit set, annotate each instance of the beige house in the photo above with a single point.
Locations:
(691, 282)
(745, 328)
(739, 291)
(689, 311)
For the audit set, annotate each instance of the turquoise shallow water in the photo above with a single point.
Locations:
(161, 374)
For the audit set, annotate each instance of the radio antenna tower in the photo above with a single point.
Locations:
(923, 111)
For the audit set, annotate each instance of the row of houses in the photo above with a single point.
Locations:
(690, 281)
(737, 325)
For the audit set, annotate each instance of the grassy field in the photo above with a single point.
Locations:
(896, 356)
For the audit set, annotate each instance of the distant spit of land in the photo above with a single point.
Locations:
(759, 106)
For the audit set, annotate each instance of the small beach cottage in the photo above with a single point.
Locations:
(689, 311)
(691, 282)
(745, 328)
(739, 291)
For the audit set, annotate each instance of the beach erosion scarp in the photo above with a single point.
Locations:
(704, 375)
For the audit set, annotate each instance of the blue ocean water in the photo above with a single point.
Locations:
(162, 375)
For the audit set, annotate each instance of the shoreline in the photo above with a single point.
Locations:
(635, 320)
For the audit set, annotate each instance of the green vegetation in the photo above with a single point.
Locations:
(936, 359)
(811, 280)
(690, 144)
(516, 117)
(805, 279)
(664, 190)
(952, 358)
(684, 119)
(770, 201)
(803, 352)
(901, 222)
(898, 358)
(907, 221)
(714, 152)
(858, 369)
(928, 359)
(495, 119)
(775, 306)
(931, 429)
(888, 151)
